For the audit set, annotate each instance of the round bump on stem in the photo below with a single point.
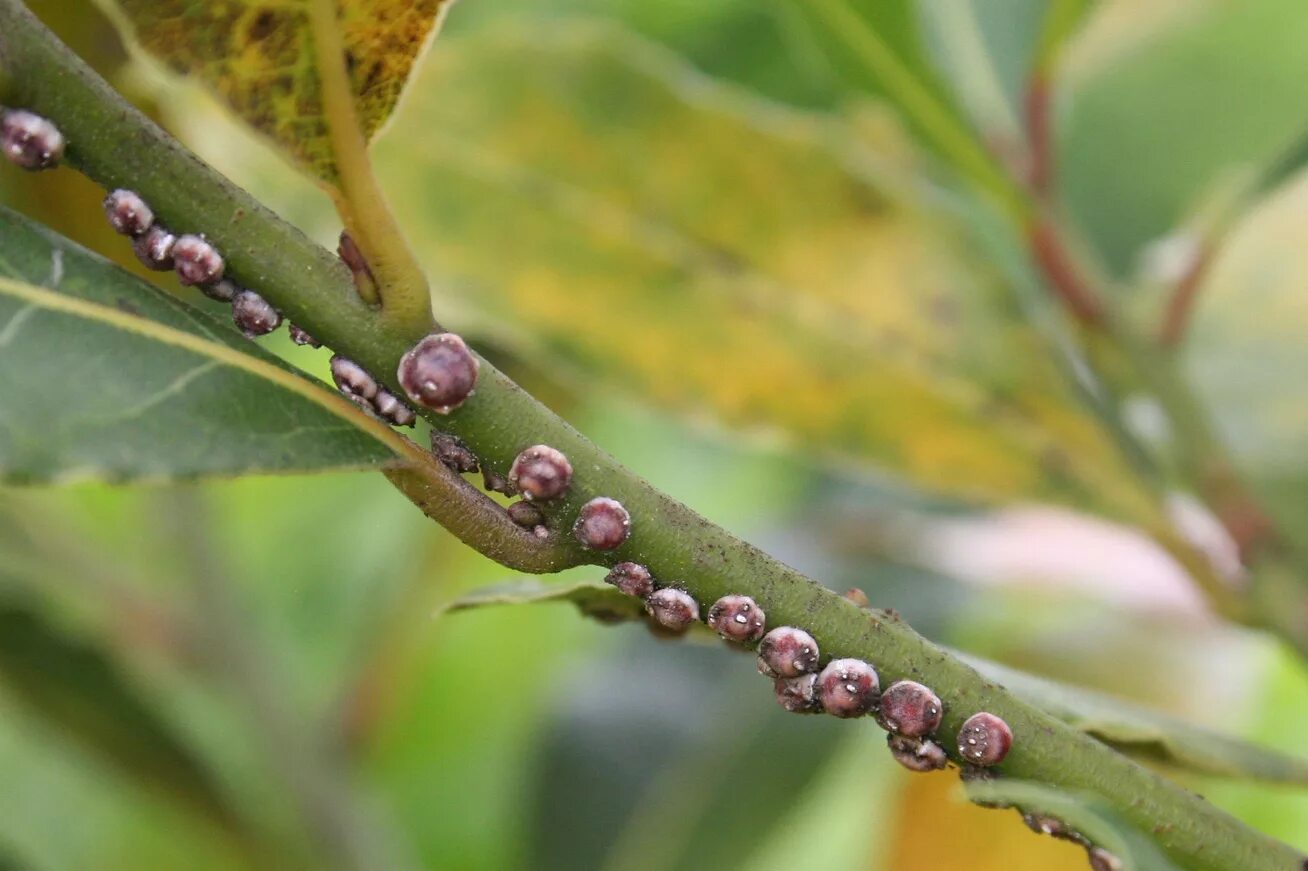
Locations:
(494, 482)
(672, 608)
(1043, 824)
(154, 248)
(787, 652)
(254, 315)
(451, 450)
(439, 372)
(392, 410)
(632, 579)
(30, 141)
(602, 524)
(525, 514)
(797, 694)
(984, 739)
(196, 261)
(1102, 860)
(541, 472)
(222, 291)
(128, 213)
(910, 709)
(848, 688)
(857, 596)
(737, 618)
(351, 378)
(300, 336)
(917, 754)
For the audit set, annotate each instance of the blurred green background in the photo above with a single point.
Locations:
(697, 233)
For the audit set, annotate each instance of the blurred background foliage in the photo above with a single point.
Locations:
(698, 232)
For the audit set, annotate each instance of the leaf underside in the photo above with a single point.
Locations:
(258, 57)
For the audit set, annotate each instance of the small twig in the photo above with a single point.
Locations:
(1039, 134)
(1181, 302)
(1062, 273)
(402, 286)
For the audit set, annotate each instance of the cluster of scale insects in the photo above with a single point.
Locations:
(440, 373)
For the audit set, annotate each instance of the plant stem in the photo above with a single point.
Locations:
(116, 145)
(402, 286)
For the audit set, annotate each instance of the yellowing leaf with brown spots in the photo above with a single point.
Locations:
(640, 227)
(258, 56)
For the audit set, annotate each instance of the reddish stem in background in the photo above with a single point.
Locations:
(1181, 304)
(1050, 254)
(1040, 171)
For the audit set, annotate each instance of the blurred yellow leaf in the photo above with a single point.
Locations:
(626, 220)
(258, 56)
(979, 839)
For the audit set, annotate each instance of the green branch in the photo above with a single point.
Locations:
(117, 146)
(402, 286)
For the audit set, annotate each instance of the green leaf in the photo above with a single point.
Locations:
(105, 377)
(594, 599)
(592, 199)
(1147, 137)
(1083, 814)
(259, 57)
(1246, 346)
(1147, 734)
(76, 688)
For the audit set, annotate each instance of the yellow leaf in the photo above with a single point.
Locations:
(980, 839)
(641, 227)
(258, 56)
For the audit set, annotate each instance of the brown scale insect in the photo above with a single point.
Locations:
(917, 754)
(154, 248)
(392, 410)
(439, 372)
(910, 709)
(632, 579)
(672, 608)
(301, 337)
(451, 450)
(737, 618)
(787, 652)
(254, 315)
(128, 214)
(352, 379)
(525, 514)
(797, 694)
(30, 141)
(848, 688)
(602, 524)
(984, 739)
(540, 472)
(196, 261)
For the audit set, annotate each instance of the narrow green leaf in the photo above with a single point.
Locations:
(258, 56)
(594, 599)
(1147, 734)
(104, 377)
(1085, 815)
